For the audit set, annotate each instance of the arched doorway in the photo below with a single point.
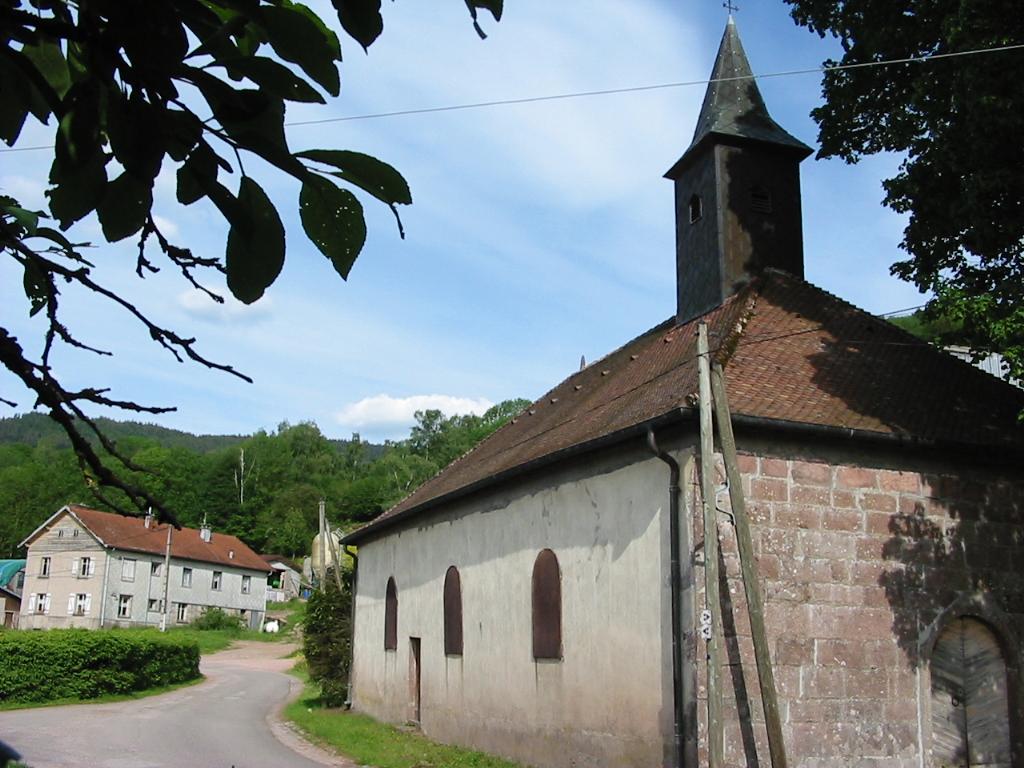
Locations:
(969, 703)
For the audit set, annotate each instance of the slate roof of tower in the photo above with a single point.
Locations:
(794, 354)
(733, 105)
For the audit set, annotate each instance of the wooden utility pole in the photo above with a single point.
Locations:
(748, 566)
(712, 597)
(323, 544)
(167, 579)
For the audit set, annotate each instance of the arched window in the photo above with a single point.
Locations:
(970, 705)
(391, 616)
(696, 209)
(547, 607)
(452, 612)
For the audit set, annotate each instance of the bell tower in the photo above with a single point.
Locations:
(737, 190)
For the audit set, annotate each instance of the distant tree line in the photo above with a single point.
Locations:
(271, 504)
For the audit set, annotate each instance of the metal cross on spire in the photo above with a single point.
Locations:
(731, 8)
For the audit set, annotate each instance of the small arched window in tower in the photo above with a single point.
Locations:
(970, 703)
(760, 199)
(696, 209)
(452, 612)
(547, 607)
(391, 616)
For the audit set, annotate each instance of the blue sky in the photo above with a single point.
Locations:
(539, 232)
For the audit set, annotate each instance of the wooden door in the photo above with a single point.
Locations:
(414, 679)
(970, 708)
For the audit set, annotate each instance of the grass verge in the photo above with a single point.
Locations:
(371, 743)
(156, 691)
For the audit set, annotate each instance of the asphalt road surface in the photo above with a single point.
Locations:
(228, 721)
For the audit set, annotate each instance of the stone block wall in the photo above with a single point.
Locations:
(859, 565)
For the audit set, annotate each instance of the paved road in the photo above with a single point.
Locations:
(228, 721)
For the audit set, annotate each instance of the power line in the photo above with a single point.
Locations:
(632, 89)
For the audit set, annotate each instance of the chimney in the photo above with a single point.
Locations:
(148, 520)
(205, 532)
(737, 190)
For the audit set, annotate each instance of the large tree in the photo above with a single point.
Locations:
(957, 121)
(135, 86)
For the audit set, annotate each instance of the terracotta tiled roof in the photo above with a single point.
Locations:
(131, 533)
(793, 353)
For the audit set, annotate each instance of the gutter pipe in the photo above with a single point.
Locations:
(351, 552)
(679, 692)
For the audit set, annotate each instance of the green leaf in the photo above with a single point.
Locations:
(36, 288)
(273, 78)
(297, 38)
(494, 6)
(125, 206)
(366, 172)
(255, 252)
(48, 58)
(195, 175)
(361, 19)
(14, 105)
(29, 220)
(333, 220)
(77, 189)
(135, 130)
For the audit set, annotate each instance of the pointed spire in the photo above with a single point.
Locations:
(733, 105)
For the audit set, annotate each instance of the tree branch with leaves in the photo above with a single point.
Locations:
(133, 87)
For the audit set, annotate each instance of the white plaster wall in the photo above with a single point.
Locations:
(608, 701)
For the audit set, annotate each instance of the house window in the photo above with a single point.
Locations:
(970, 696)
(186, 577)
(80, 604)
(761, 200)
(246, 585)
(155, 605)
(85, 567)
(696, 208)
(44, 568)
(127, 570)
(60, 533)
(452, 612)
(391, 616)
(182, 615)
(215, 582)
(547, 607)
(124, 607)
(40, 603)
(155, 569)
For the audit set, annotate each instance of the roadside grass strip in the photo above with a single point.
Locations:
(371, 743)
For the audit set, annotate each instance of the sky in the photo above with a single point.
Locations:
(539, 232)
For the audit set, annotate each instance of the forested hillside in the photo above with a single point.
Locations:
(271, 504)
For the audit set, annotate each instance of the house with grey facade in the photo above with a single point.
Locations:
(543, 597)
(92, 569)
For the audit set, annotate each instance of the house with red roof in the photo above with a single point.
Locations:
(521, 601)
(92, 569)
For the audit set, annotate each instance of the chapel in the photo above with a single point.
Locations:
(521, 601)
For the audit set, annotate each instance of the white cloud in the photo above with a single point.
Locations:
(382, 410)
(167, 227)
(198, 305)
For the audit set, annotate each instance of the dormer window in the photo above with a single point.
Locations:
(761, 199)
(696, 209)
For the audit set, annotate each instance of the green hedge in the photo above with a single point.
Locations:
(83, 664)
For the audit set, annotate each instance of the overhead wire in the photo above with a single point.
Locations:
(824, 69)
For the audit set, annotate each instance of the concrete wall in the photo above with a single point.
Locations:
(66, 541)
(863, 557)
(608, 701)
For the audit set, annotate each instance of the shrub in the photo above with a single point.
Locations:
(215, 618)
(84, 664)
(327, 642)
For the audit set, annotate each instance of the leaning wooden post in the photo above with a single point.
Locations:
(712, 598)
(748, 566)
